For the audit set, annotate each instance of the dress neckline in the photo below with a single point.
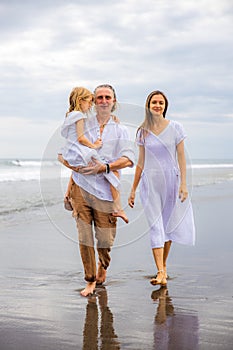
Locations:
(162, 131)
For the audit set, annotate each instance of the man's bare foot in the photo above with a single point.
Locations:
(121, 214)
(90, 287)
(101, 274)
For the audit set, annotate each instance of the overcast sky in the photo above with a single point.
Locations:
(183, 47)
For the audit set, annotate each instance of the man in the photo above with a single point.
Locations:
(90, 192)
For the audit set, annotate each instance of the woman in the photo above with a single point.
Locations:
(162, 170)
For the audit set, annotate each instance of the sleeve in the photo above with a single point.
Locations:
(125, 145)
(76, 116)
(71, 118)
(180, 133)
(139, 138)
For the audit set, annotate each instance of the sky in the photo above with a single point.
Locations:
(182, 47)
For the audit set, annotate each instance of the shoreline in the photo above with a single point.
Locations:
(42, 276)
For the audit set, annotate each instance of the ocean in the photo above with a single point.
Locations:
(42, 273)
(31, 187)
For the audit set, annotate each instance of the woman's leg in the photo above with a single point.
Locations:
(158, 257)
(166, 251)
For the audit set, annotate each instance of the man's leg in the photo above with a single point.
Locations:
(84, 218)
(105, 232)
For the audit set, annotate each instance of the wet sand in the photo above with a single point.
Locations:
(41, 278)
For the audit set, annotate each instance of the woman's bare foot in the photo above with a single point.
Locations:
(101, 274)
(90, 287)
(121, 214)
(159, 279)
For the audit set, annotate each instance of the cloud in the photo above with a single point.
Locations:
(181, 47)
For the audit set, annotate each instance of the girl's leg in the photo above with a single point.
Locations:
(67, 199)
(158, 257)
(118, 211)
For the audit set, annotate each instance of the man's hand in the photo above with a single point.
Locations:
(95, 167)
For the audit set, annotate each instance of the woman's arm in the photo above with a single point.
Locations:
(83, 139)
(183, 192)
(137, 176)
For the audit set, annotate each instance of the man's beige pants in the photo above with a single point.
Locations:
(93, 217)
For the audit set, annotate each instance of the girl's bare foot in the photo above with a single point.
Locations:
(101, 274)
(90, 287)
(121, 214)
(67, 203)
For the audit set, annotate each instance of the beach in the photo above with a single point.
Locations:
(41, 279)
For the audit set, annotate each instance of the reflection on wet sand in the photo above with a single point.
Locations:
(174, 329)
(97, 308)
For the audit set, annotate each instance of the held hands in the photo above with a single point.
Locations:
(183, 192)
(131, 198)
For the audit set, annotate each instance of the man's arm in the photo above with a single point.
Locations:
(121, 163)
(99, 167)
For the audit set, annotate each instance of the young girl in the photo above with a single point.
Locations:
(79, 151)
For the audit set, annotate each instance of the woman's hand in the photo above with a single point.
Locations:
(131, 198)
(183, 192)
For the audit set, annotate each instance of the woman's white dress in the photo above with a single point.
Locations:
(168, 218)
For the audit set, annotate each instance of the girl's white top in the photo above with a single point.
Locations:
(116, 144)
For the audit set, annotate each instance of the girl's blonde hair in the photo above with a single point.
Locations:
(77, 94)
